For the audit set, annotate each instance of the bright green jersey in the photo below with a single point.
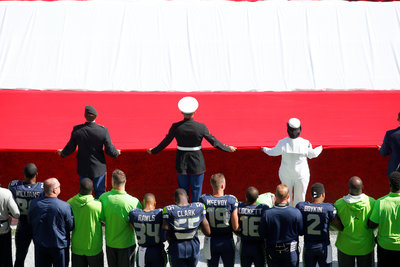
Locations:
(266, 199)
(386, 214)
(356, 238)
(115, 213)
(87, 236)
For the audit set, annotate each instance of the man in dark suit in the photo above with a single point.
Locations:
(391, 146)
(189, 157)
(90, 139)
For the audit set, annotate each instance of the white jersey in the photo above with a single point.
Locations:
(294, 156)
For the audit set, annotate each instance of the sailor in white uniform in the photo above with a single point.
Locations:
(294, 171)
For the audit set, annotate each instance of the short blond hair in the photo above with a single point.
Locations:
(217, 180)
(118, 177)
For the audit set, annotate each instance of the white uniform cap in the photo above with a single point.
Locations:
(294, 123)
(188, 105)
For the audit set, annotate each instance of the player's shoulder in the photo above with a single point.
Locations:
(14, 183)
(204, 197)
(300, 206)
(197, 205)
(231, 198)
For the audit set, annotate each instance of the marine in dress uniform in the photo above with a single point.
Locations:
(182, 222)
(24, 192)
(189, 157)
(294, 171)
(90, 139)
(149, 234)
(391, 146)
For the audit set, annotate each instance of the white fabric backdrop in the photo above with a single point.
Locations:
(199, 46)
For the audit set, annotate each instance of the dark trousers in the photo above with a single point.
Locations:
(252, 252)
(154, 257)
(23, 238)
(280, 258)
(85, 261)
(5, 250)
(192, 181)
(121, 257)
(313, 256)
(387, 257)
(188, 262)
(224, 248)
(99, 184)
(51, 257)
(345, 260)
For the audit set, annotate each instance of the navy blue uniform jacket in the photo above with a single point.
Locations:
(90, 139)
(391, 146)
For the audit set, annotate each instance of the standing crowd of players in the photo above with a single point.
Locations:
(268, 228)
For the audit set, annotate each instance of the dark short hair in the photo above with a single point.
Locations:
(293, 132)
(179, 193)
(30, 170)
(118, 177)
(394, 179)
(86, 186)
(251, 194)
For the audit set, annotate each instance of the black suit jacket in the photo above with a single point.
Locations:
(90, 139)
(189, 133)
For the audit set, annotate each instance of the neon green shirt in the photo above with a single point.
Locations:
(87, 236)
(115, 213)
(356, 238)
(266, 199)
(386, 214)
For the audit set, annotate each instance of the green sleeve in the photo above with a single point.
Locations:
(139, 205)
(374, 217)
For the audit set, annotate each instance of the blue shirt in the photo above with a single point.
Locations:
(184, 222)
(316, 219)
(391, 146)
(52, 221)
(219, 210)
(281, 225)
(147, 226)
(23, 194)
(249, 221)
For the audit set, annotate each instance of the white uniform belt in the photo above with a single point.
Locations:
(196, 148)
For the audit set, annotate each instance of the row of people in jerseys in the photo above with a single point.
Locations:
(267, 227)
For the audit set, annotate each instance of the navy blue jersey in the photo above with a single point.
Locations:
(23, 194)
(281, 225)
(219, 210)
(249, 221)
(316, 219)
(147, 226)
(184, 222)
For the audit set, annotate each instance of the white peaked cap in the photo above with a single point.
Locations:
(294, 123)
(188, 105)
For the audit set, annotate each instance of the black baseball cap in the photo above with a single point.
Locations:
(317, 190)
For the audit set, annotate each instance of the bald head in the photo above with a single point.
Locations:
(181, 197)
(51, 187)
(251, 195)
(355, 186)
(282, 194)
